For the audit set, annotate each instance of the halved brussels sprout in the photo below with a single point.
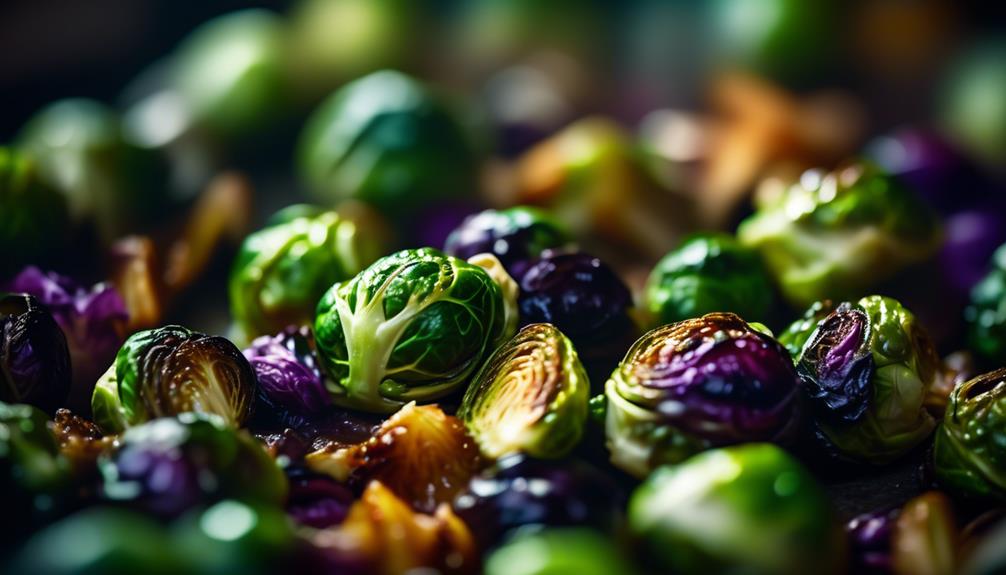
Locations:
(701, 383)
(515, 235)
(838, 235)
(172, 370)
(34, 358)
(34, 219)
(283, 270)
(867, 369)
(986, 314)
(553, 551)
(170, 465)
(750, 508)
(414, 326)
(709, 273)
(390, 141)
(970, 449)
(422, 454)
(530, 396)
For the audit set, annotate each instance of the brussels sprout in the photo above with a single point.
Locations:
(974, 101)
(749, 508)
(230, 72)
(235, 537)
(316, 500)
(986, 314)
(867, 369)
(414, 326)
(390, 141)
(701, 383)
(34, 214)
(167, 466)
(383, 535)
(705, 274)
(80, 150)
(508, 287)
(519, 492)
(837, 235)
(869, 537)
(530, 396)
(92, 319)
(555, 551)
(283, 270)
(171, 370)
(972, 237)
(796, 335)
(34, 359)
(515, 235)
(421, 454)
(969, 453)
(290, 384)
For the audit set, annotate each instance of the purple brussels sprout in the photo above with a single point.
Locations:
(516, 236)
(316, 500)
(970, 239)
(869, 537)
(697, 384)
(93, 319)
(34, 360)
(290, 385)
(519, 491)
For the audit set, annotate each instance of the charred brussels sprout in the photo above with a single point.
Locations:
(290, 385)
(34, 213)
(515, 235)
(390, 141)
(414, 326)
(172, 370)
(554, 551)
(34, 359)
(796, 335)
(697, 384)
(170, 465)
(837, 235)
(969, 454)
(867, 369)
(986, 314)
(283, 270)
(749, 508)
(705, 274)
(530, 396)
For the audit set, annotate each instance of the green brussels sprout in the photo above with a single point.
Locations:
(970, 450)
(973, 103)
(557, 552)
(414, 326)
(34, 214)
(283, 270)
(709, 273)
(80, 150)
(837, 235)
(867, 369)
(794, 337)
(530, 396)
(171, 370)
(986, 313)
(745, 509)
(390, 141)
(230, 72)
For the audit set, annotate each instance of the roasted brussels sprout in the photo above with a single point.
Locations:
(414, 326)
(554, 551)
(92, 319)
(172, 370)
(283, 270)
(519, 492)
(796, 335)
(390, 141)
(748, 508)
(420, 453)
(709, 273)
(515, 235)
(81, 151)
(867, 369)
(229, 73)
(290, 385)
(701, 383)
(170, 465)
(530, 396)
(986, 314)
(34, 359)
(969, 454)
(34, 213)
(837, 235)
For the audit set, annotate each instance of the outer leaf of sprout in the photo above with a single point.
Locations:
(105, 405)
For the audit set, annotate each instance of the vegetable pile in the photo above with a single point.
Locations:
(559, 351)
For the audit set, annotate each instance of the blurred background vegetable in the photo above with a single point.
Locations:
(35, 215)
(34, 359)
